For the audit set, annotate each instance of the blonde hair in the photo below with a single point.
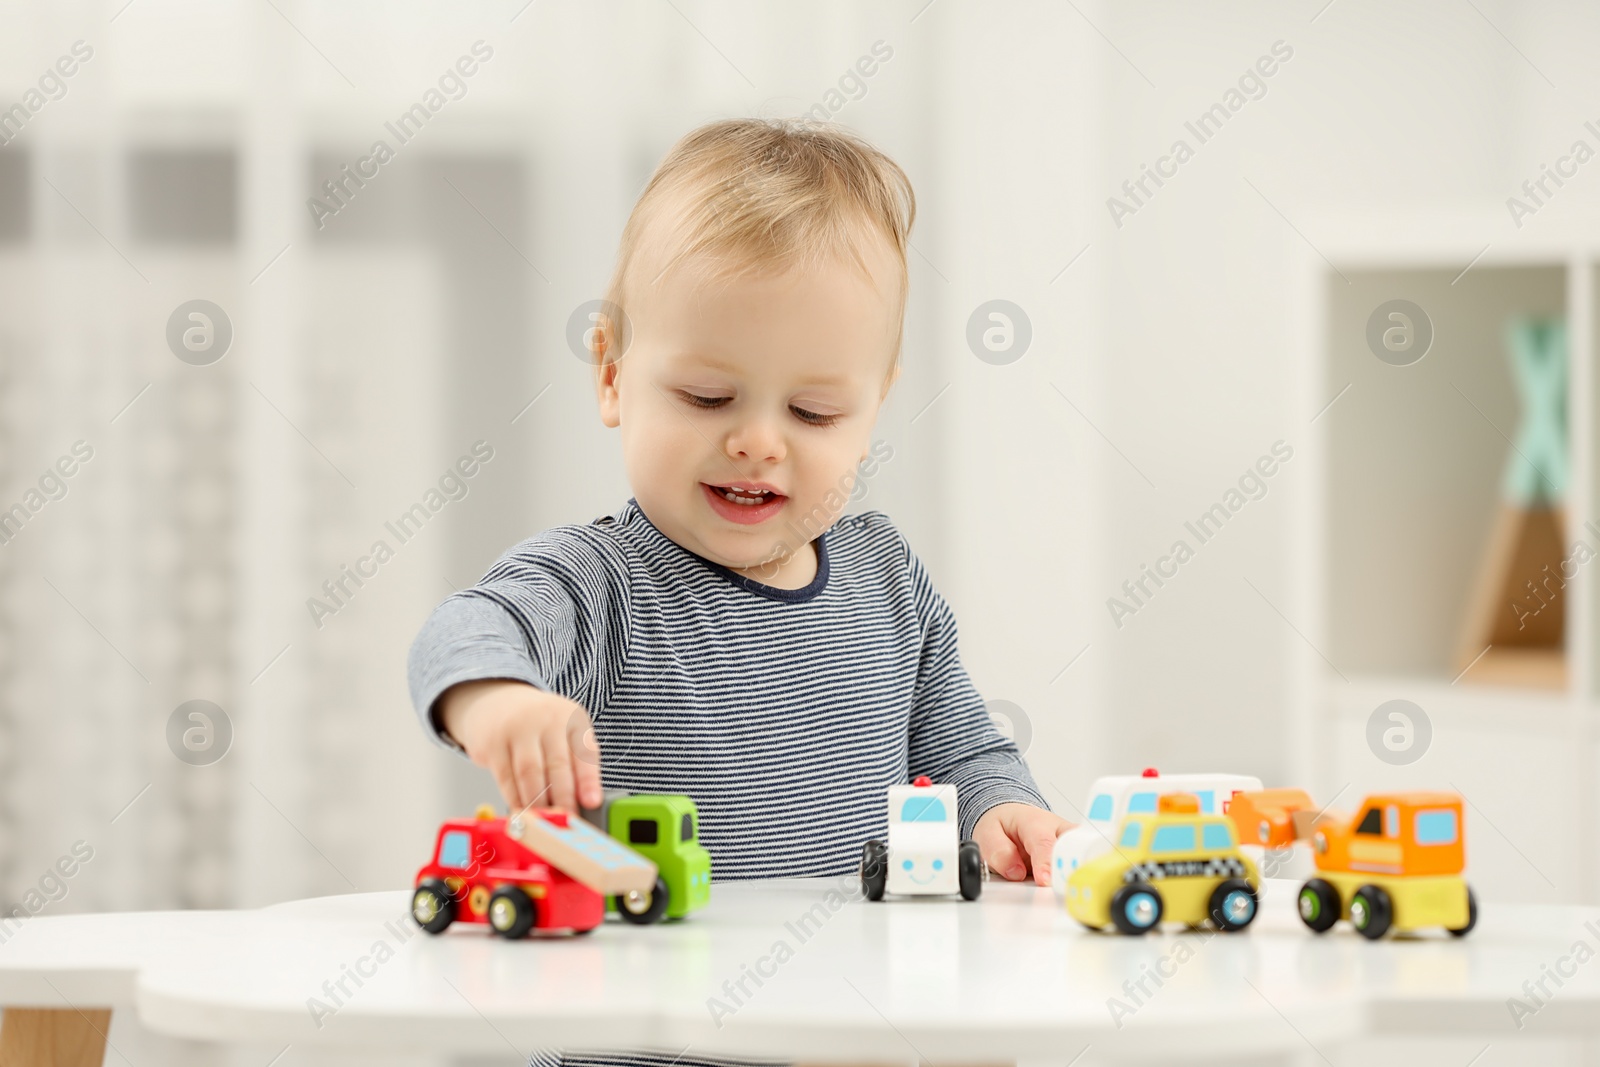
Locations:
(760, 194)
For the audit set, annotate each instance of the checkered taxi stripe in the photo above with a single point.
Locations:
(1215, 867)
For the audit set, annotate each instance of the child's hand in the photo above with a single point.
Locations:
(1013, 837)
(539, 746)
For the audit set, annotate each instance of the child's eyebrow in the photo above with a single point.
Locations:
(825, 383)
(686, 361)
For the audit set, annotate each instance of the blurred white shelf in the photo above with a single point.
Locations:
(1453, 235)
(1458, 705)
(1401, 487)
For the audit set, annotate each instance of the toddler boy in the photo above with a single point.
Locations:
(726, 634)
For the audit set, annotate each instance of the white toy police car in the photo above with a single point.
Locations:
(1114, 797)
(923, 856)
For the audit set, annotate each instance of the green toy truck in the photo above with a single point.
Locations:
(664, 829)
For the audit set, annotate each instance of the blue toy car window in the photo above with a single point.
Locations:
(455, 849)
(1130, 836)
(1100, 810)
(1218, 835)
(1141, 803)
(923, 809)
(1436, 827)
(1173, 839)
(1208, 800)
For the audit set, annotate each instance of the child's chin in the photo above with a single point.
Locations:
(762, 572)
(755, 566)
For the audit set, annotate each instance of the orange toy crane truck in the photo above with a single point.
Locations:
(1395, 865)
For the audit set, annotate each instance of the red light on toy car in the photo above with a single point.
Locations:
(1150, 772)
(922, 781)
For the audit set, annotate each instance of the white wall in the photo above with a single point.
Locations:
(1381, 105)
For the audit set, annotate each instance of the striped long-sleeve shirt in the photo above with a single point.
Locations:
(783, 713)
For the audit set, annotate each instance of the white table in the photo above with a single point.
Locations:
(1010, 976)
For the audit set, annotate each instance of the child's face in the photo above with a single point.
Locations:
(765, 383)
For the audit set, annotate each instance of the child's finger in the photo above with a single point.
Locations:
(527, 762)
(558, 770)
(1007, 861)
(504, 778)
(1039, 838)
(586, 761)
(1000, 852)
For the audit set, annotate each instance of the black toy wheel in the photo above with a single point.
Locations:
(969, 868)
(1472, 916)
(1233, 905)
(511, 913)
(1371, 912)
(1136, 908)
(644, 908)
(433, 906)
(1318, 904)
(874, 869)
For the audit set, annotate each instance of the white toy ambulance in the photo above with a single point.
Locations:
(923, 856)
(1113, 797)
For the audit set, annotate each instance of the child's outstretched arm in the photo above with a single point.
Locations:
(954, 740)
(511, 670)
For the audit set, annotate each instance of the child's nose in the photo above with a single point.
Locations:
(757, 440)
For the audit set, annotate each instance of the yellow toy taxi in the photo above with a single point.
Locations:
(1177, 865)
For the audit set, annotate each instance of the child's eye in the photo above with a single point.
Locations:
(703, 401)
(813, 417)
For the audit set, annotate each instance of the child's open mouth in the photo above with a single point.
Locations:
(744, 503)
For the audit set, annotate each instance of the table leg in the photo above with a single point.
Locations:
(53, 1037)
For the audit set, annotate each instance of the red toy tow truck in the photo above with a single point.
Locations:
(537, 870)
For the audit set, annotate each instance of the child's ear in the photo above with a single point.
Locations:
(894, 376)
(606, 390)
(605, 380)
